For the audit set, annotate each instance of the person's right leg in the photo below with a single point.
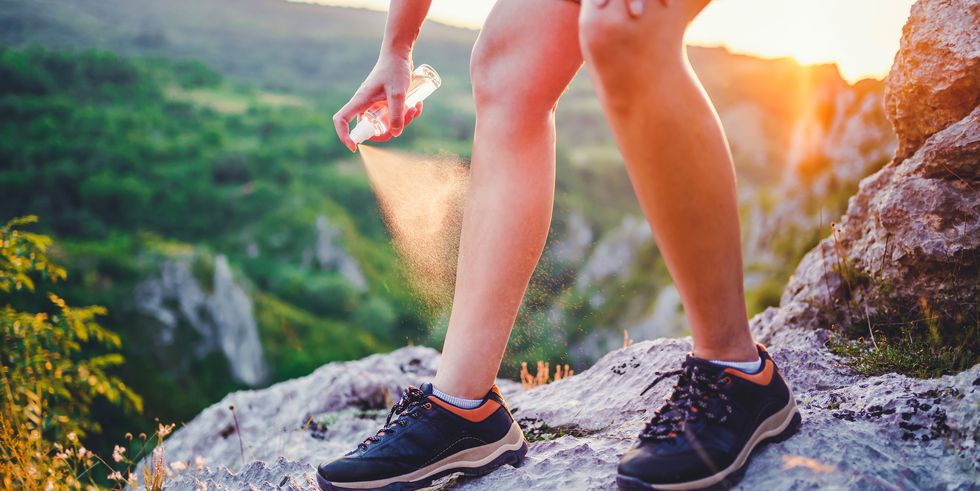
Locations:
(524, 59)
(526, 56)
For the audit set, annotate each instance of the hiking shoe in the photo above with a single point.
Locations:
(703, 436)
(429, 439)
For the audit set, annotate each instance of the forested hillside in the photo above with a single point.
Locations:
(134, 162)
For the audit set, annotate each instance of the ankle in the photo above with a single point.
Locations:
(729, 353)
(460, 402)
(462, 391)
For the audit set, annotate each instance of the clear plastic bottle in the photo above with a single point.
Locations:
(374, 121)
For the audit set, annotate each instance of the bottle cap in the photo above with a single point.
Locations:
(362, 131)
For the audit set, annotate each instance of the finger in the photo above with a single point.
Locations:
(419, 107)
(635, 7)
(396, 110)
(382, 137)
(341, 120)
(601, 3)
(410, 115)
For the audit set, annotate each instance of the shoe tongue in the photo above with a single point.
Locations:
(426, 388)
(703, 365)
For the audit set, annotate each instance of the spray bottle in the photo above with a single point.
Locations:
(373, 122)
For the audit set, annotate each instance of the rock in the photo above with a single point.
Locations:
(234, 322)
(914, 226)
(886, 431)
(910, 238)
(614, 255)
(223, 319)
(332, 257)
(935, 80)
(843, 137)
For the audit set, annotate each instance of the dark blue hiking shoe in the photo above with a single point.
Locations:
(703, 436)
(428, 440)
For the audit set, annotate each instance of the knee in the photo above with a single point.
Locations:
(500, 88)
(612, 41)
(482, 66)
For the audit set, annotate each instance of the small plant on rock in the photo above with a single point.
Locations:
(543, 375)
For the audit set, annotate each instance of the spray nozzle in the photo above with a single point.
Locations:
(363, 130)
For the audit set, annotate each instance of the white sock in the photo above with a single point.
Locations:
(457, 401)
(748, 367)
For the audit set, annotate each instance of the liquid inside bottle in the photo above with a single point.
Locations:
(374, 121)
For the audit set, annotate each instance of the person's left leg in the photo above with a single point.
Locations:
(730, 397)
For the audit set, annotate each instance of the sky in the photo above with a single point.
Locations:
(860, 36)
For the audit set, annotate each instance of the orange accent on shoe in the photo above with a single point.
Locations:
(762, 347)
(474, 415)
(762, 377)
(496, 390)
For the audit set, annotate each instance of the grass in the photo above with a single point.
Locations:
(907, 353)
(538, 431)
(543, 375)
(930, 338)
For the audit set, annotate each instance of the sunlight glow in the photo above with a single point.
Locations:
(860, 36)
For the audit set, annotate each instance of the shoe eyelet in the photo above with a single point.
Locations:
(727, 380)
(428, 405)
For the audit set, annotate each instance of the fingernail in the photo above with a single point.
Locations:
(636, 7)
(601, 2)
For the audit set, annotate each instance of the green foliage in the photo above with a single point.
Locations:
(22, 254)
(134, 161)
(50, 371)
(298, 341)
(910, 351)
(931, 338)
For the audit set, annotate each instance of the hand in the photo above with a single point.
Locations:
(634, 7)
(388, 81)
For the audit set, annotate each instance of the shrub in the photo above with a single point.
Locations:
(48, 386)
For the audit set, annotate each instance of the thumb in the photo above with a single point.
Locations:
(345, 115)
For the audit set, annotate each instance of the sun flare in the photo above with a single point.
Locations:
(860, 37)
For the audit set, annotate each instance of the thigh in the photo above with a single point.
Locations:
(528, 50)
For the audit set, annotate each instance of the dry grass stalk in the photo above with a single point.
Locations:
(543, 374)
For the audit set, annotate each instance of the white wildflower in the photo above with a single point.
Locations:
(164, 430)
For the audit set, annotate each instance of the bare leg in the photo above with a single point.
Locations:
(524, 59)
(678, 161)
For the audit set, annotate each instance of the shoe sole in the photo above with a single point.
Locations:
(776, 428)
(473, 462)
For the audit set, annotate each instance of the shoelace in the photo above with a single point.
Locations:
(411, 401)
(692, 398)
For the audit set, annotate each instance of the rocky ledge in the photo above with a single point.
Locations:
(886, 432)
(915, 224)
